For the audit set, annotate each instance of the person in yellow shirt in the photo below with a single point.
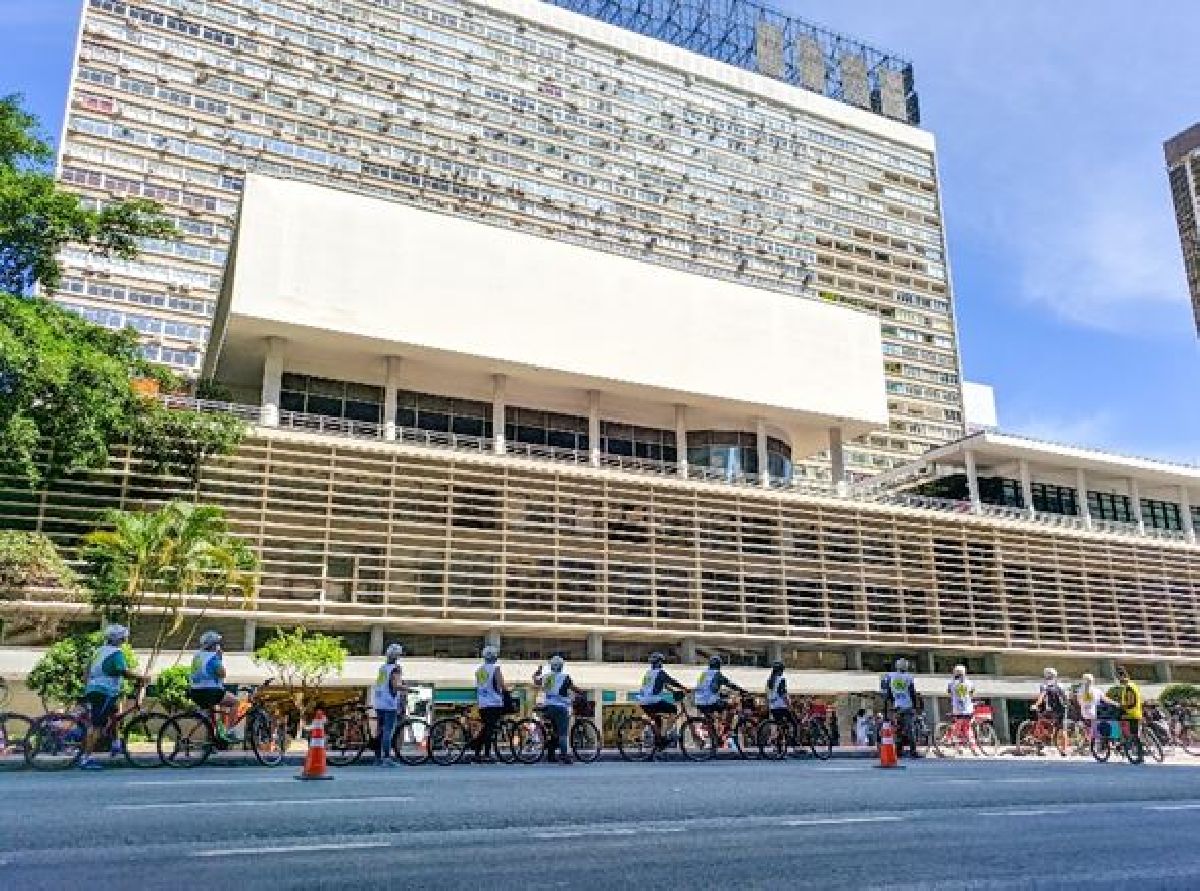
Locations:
(1128, 696)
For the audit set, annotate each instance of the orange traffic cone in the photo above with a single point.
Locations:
(314, 761)
(887, 746)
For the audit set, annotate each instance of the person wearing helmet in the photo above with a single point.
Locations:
(962, 694)
(206, 686)
(557, 688)
(1051, 705)
(388, 697)
(1127, 696)
(709, 687)
(659, 692)
(490, 695)
(108, 668)
(899, 690)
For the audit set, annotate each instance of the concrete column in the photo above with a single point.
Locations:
(1185, 514)
(272, 381)
(499, 411)
(1163, 672)
(1135, 505)
(933, 711)
(681, 433)
(391, 385)
(375, 647)
(854, 659)
(760, 441)
(492, 639)
(1026, 487)
(594, 426)
(598, 698)
(775, 652)
(837, 459)
(1000, 719)
(249, 633)
(927, 664)
(972, 482)
(993, 664)
(1106, 669)
(687, 651)
(595, 647)
(1081, 504)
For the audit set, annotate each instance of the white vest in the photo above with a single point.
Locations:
(776, 699)
(707, 692)
(898, 683)
(647, 696)
(961, 693)
(201, 679)
(486, 694)
(97, 679)
(553, 683)
(383, 699)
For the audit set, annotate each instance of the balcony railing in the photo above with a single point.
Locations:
(367, 430)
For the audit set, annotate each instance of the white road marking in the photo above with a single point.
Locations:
(993, 782)
(1173, 807)
(166, 805)
(599, 830)
(290, 849)
(834, 821)
(246, 782)
(1032, 812)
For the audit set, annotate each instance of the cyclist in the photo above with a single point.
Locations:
(658, 694)
(206, 686)
(962, 695)
(490, 697)
(557, 687)
(1088, 698)
(777, 695)
(709, 687)
(1051, 705)
(1128, 696)
(388, 699)
(108, 668)
(900, 696)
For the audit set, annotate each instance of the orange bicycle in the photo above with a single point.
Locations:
(1037, 732)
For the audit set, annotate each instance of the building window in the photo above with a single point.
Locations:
(1052, 499)
(1108, 506)
(442, 414)
(546, 428)
(1161, 514)
(332, 398)
(638, 442)
(736, 453)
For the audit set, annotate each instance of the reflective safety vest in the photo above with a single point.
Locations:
(961, 693)
(381, 694)
(100, 681)
(653, 689)
(204, 671)
(486, 694)
(898, 684)
(776, 697)
(708, 691)
(1087, 702)
(554, 683)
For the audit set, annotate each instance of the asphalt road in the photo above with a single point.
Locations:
(977, 824)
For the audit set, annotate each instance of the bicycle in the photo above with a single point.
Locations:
(977, 732)
(737, 725)
(449, 738)
(55, 740)
(1184, 729)
(1035, 733)
(776, 738)
(14, 733)
(349, 733)
(188, 739)
(639, 738)
(1113, 732)
(540, 738)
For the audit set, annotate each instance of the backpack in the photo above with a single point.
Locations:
(1055, 701)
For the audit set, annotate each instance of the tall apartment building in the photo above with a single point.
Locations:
(1183, 169)
(764, 151)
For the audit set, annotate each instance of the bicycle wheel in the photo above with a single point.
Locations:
(527, 740)
(585, 740)
(55, 742)
(139, 738)
(448, 741)
(1162, 736)
(698, 739)
(820, 743)
(14, 733)
(1189, 741)
(186, 740)
(636, 739)
(1151, 746)
(1101, 747)
(772, 740)
(743, 734)
(410, 742)
(1027, 742)
(267, 735)
(986, 740)
(945, 743)
(346, 738)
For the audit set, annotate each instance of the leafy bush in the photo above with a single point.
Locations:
(171, 686)
(1180, 694)
(301, 661)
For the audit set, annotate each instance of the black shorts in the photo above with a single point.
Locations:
(716, 708)
(206, 697)
(659, 708)
(101, 706)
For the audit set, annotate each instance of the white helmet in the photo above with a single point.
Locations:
(557, 663)
(210, 639)
(115, 635)
(393, 652)
(1088, 678)
(960, 671)
(1050, 673)
(901, 665)
(490, 654)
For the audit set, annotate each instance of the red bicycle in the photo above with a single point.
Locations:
(975, 734)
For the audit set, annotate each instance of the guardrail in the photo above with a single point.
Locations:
(367, 430)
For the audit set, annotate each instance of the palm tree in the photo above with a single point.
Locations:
(165, 563)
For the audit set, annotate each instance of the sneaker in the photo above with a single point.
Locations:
(390, 762)
(90, 764)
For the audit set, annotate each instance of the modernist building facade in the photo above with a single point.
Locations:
(534, 117)
(1183, 171)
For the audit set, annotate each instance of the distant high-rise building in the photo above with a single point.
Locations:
(1183, 168)
(761, 150)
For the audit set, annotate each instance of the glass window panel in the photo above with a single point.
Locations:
(363, 411)
(324, 405)
(323, 386)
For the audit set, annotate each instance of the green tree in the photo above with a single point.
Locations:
(301, 661)
(171, 686)
(1180, 694)
(65, 384)
(59, 676)
(159, 566)
(29, 562)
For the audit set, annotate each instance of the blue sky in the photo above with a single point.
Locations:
(1050, 119)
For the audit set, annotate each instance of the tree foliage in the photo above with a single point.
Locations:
(28, 561)
(171, 686)
(301, 661)
(1180, 694)
(59, 676)
(147, 566)
(65, 384)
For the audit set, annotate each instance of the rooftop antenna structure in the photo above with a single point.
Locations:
(759, 38)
